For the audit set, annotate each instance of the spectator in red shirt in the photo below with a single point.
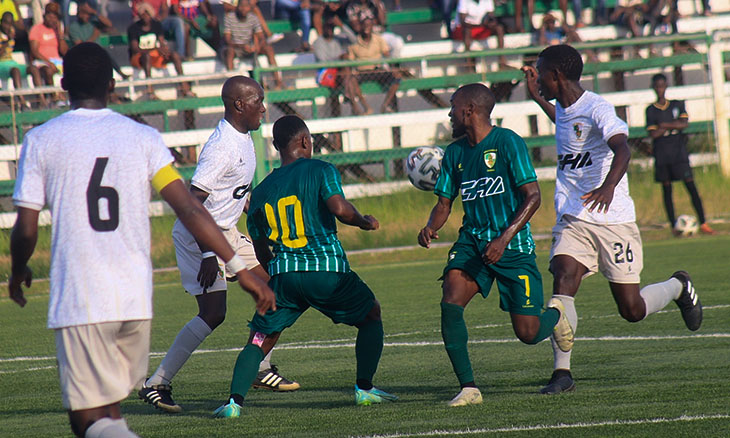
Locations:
(47, 45)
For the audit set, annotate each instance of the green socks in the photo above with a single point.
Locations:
(368, 348)
(548, 319)
(453, 331)
(246, 369)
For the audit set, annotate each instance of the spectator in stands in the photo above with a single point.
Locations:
(635, 14)
(476, 20)
(519, 20)
(88, 27)
(296, 10)
(148, 48)
(357, 10)
(577, 12)
(330, 47)
(171, 24)
(447, 8)
(244, 38)
(200, 22)
(229, 6)
(47, 45)
(371, 46)
(552, 33)
(21, 34)
(9, 68)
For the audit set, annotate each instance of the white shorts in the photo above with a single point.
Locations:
(189, 258)
(100, 364)
(615, 249)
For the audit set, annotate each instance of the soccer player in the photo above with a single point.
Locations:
(222, 183)
(94, 168)
(596, 224)
(665, 121)
(491, 169)
(294, 210)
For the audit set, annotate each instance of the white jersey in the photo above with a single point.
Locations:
(474, 10)
(93, 168)
(225, 171)
(584, 158)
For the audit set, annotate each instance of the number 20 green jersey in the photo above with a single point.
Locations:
(289, 208)
(488, 176)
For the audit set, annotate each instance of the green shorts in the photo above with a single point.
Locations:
(342, 297)
(8, 65)
(518, 280)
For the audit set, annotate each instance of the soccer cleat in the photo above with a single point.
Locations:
(229, 410)
(563, 332)
(688, 301)
(373, 395)
(159, 396)
(561, 381)
(467, 396)
(272, 380)
(706, 229)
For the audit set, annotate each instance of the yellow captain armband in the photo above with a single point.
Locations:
(165, 176)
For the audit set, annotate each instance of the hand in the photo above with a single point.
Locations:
(14, 286)
(425, 236)
(164, 51)
(52, 67)
(494, 250)
(208, 272)
(372, 225)
(533, 90)
(600, 197)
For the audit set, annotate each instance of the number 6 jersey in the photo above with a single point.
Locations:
(93, 168)
(289, 208)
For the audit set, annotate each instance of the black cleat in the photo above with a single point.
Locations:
(271, 379)
(561, 381)
(688, 302)
(160, 396)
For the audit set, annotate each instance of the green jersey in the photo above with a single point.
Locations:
(488, 176)
(289, 208)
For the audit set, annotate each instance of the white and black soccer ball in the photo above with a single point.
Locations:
(423, 166)
(686, 225)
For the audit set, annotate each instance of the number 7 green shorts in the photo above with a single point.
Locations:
(518, 280)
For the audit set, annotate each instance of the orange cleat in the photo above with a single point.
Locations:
(706, 229)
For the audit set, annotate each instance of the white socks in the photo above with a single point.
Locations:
(185, 343)
(561, 359)
(656, 296)
(109, 428)
(266, 363)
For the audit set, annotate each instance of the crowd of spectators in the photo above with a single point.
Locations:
(164, 31)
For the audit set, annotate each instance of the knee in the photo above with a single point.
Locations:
(633, 313)
(374, 314)
(214, 318)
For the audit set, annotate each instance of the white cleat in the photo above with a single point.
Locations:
(467, 396)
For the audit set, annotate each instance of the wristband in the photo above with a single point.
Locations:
(235, 265)
(208, 254)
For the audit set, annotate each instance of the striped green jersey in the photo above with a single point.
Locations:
(488, 176)
(289, 208)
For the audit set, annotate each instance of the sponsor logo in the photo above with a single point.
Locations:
(578, 129)
(481, 188)
(575, 161)
(490, 158)
(452, 255)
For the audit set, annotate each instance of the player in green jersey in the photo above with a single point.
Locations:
(294, 210)
(491, 169)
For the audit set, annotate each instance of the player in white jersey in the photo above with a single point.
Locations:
(222, 182)
(596, 224)
(93, 168)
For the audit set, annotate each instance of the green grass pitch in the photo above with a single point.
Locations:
(653, 378)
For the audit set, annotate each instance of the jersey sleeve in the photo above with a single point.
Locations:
(447, 185)
(30, 183)
(158, 155)
(651, 121)
(518, 160)
(254, 223)
(608, 122)
(331, 182)
(682, 112)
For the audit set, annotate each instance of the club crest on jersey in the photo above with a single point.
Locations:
(490, 158)
(578, 129)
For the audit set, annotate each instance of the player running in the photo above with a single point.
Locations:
(222, 182)
(491, 169)
(294, 210)
(591, 177)
(94, 168)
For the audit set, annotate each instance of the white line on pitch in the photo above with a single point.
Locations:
(555, 426)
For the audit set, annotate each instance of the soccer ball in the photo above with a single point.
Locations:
(686, 225)
(423, 166)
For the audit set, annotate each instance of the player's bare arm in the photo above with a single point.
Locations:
(348, 214)
(201, 225)
(208, 265)
(602, 197)
(22, 243)
(439, 215)
(494, 249)
(533, 90)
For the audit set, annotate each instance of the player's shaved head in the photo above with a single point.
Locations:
(239, 87)
(288, 129)
(479, 95)
(87, 72)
